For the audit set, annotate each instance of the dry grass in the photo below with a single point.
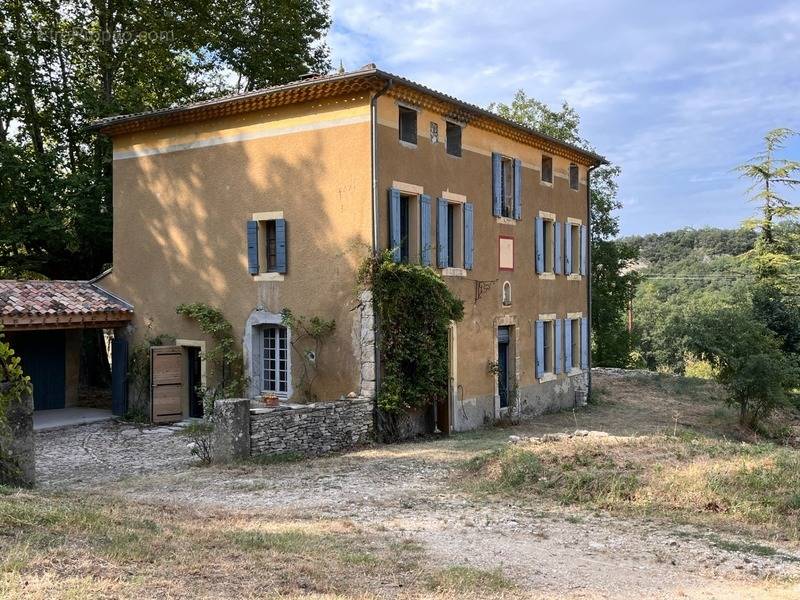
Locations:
(726, 484)
(67, 546)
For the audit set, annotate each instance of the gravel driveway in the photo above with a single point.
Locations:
(407, 490)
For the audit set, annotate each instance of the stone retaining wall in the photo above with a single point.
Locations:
(312, 429)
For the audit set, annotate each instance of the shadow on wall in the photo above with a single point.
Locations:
(194, 206)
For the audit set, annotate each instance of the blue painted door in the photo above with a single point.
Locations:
(42, 357)
(502, 364)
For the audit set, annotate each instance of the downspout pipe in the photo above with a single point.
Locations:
(589, 273)
(373, 112)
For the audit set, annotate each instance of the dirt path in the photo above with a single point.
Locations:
(408, 491)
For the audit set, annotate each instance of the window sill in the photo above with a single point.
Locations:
(546, 183)
(574, 277)
(406, 144)
(506, 220)
(454, 272)
(268, 277)
(574, 371)
(548, 377)
(548, 275)
(453, 155)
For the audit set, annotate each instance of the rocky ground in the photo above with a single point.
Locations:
(411, 491)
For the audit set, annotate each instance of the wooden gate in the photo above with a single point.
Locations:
(166, 379)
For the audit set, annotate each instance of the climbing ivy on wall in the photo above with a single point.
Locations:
(14, 384)
(225, 354)
(414, 308)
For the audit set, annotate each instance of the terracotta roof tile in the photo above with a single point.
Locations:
(42, 298)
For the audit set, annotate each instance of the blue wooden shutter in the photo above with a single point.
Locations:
(558, 260)
(119, 377)
(584, 343)
(252, 247)
(468, 236)
(558, 347)
(425, 230)
(568, 248)
(539, 349)
(539, 239)
(497, 192)
(441, 234)
(280, 245)
(583, 249)
(394, 223)
(567, 345)
(517, 189)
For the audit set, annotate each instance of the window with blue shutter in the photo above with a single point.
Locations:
(468, 236)
(442, 244)
(584, 249)
(584, 343)
(568, 248)
(559, 358)
(558, 260)
(425, 229)
(280, 246)
(252, 247)
(517, 189)
(567, 345)
(539, 239)
(539, 340)
(394, 223)
(497, 185)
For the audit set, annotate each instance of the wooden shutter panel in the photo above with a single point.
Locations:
(497, 196)
(558, 347)
(567, 345)
(517, 189)
(558, 259)
(584, 343)
(468, 236)
(394, 223)
(583, 249)
(441, 233)
(425, 230)
(252, 247)
(539, 239)
(567, 248)
(119, 377)
(280, 245)
(539, 339)
(166, 383)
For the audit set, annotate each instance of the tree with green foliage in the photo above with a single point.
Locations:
(747, 358)
(65, 64)
(613, 282)
(770, 174)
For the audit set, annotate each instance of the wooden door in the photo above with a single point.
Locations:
(42, 356)
(167, 389)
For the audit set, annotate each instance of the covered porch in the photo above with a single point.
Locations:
(58, 328)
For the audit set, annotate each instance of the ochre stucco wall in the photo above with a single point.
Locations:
(429, 166)
(179, 221)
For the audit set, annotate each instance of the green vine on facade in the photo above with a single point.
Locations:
(225, 355)
(14, 385)
(414, 308)
(307, 330)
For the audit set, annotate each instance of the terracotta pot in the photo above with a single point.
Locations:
(270, 400)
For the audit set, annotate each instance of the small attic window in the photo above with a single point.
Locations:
(408, 125)
(573, 177)
(453, 139)
(547, 169)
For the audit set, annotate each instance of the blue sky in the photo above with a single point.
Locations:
(677, 93)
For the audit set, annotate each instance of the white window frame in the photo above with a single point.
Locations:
(261, 218)
(253, 351)
(574, 321)
(277, 359)
(548, 244)
(575, 274)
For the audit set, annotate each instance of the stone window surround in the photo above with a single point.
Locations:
(549, 320)
(253, 348)
(261, 218)
(506, 320)
(575, 316)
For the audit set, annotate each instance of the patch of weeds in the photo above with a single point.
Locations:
(6, 490)
(461, 578)
(751, 548)
(574, 519)
(136, 416)
(275, 459)
(358, 558)
(600, 395)
(286, 542)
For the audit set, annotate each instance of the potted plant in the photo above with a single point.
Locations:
(270, 399)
